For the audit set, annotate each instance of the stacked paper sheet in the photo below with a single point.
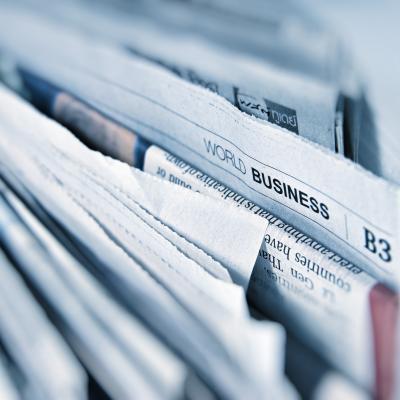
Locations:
(182, 212)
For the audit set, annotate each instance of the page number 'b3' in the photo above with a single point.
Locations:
(377, 245)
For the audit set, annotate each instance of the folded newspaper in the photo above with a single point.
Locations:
(182, 212)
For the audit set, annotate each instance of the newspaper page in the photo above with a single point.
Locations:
(160, 375)
(290, 42)
(290, 264)
(48, 367)
(8, 389)
(298, 103)
(315, 261)
(323, 194)
(328, 280)
(305, 285)
(91, 191)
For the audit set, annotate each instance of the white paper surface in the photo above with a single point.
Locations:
(226, 234)
(194, 311)
(50, 367)
(8, 390)
(201, 127)
(301, 283)
(111, 366)
(161, 370)
(300, 104)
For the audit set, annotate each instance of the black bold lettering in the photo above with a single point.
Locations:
(384, 253)
(324, 210)
(292, 194)
(369, 242)
(314, 205)
(256, 175)
(277, 186)
(303, 199)
(269, 185)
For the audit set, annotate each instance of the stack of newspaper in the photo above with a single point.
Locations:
(183, 213)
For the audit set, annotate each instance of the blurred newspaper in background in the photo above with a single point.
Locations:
(199, 199)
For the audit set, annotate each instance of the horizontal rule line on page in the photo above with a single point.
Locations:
(231, 173)
(131, 91)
